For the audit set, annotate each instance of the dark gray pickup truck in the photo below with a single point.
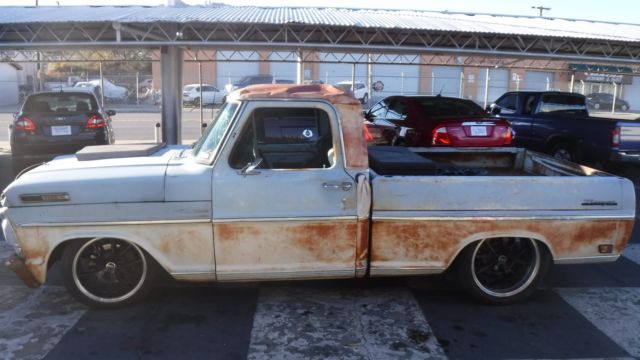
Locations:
(558, 123)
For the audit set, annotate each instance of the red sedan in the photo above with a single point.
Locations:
(434, 121)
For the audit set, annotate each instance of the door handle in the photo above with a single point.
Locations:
(346, 186)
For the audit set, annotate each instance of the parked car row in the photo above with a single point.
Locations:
(557, 123)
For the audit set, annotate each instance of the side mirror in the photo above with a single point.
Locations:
(250, 168)
(111, 112)
(494, 109)
(367, 115)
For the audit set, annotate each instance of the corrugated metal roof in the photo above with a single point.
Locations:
(393, 19)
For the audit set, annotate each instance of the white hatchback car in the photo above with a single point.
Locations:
(210, 95)
(360, 90)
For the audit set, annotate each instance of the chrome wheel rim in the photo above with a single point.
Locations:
(109, 270)
(505, 267)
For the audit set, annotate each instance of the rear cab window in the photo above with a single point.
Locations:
(564, 103)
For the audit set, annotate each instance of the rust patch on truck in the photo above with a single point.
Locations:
(435, 243)
(281, 245)
(362, 244)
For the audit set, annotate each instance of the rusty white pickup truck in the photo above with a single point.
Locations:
(283, 186)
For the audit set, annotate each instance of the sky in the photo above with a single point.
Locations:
(624, 11)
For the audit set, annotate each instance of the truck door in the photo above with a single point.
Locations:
(517, 108)
(283, 205)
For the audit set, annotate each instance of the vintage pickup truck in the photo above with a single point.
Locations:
(280, 187)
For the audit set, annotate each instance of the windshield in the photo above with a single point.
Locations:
(215, 132)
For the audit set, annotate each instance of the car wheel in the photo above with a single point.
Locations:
(596, 106)
(196, 102)
(365, 99)
(564, 151)
(107, 273)
(502, 270)
(624, 107)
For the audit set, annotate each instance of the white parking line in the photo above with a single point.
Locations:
(615, 311)
(300, 323)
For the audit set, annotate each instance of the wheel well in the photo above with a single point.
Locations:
(541, 244)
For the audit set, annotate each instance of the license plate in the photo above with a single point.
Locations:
(478, 131)
(60, 130)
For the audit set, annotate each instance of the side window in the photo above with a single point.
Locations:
(508, 104)
(397, 109)
(285, 138)
(529, 104)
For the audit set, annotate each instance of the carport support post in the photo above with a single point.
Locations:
(369, 74)
(171, 66)
(101, 85)
(201, 98)
(353, 78)
(573, 78)
(486, 89)
(615, 95)
(299, 68)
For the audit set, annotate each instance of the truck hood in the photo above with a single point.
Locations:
(66, 180)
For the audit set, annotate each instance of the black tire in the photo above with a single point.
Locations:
(564, 151)
(596, 106)
(624, 107)
(107, 273)
(365, 99)
(502, 270)
(196, 102)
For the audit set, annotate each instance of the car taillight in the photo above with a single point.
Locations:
(367, 134)
(508, 136)
(94, 122)
(440, 136)
(615, 136)
(25, 123)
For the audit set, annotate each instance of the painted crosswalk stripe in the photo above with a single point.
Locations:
(33, 321)
(632, 252)
(338, 323)
(615, 311)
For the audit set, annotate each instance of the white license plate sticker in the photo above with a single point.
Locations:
(60, 130)
(478, 131)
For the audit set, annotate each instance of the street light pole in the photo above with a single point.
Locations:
(541, 9)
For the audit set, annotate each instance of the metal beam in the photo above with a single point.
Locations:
(171, 65)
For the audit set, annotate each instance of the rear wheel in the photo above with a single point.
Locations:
(107, 273)
(564, 151)
(196, 102)
(624, 107)
(596, 106)
(502, 270)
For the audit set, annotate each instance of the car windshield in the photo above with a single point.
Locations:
(210, 140)
(61, 103)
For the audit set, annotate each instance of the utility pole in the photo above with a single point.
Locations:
(541, 9)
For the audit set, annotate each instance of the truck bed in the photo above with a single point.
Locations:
(494, 179)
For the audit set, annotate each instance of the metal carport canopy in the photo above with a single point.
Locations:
(45, 30)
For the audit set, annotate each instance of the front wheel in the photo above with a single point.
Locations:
(624, 107)
(502, 270)
(107, 273)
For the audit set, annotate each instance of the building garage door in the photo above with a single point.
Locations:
(631, 93)
(283, 65)
(498, 84)
(446, 80)
(230, 71)
(8, 85)
(332, 73)
(397, 79)
(537, 80)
